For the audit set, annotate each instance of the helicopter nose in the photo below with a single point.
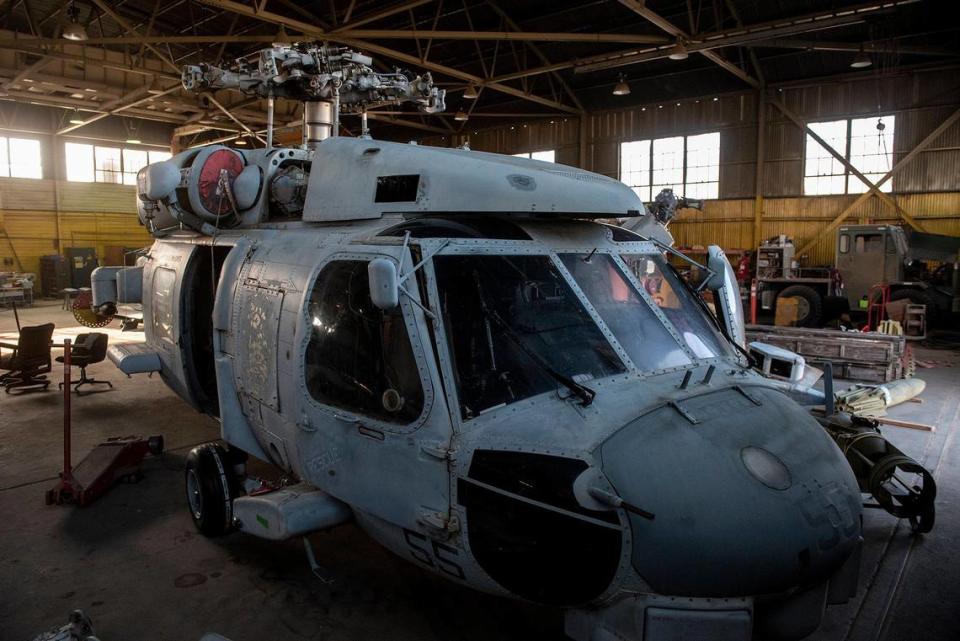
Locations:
(748, 495)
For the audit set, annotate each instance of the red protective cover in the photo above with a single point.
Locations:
(210, 178)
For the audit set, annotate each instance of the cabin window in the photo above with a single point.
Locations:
(676, 302)
(516, 329)
(359, 357)
(164, 284)
(844, 243)
(869, 243)
(631, 320)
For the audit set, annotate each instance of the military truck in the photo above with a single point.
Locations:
(920, 267)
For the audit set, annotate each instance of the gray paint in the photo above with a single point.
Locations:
(399, 479)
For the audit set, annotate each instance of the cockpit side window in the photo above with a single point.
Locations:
(676, 303)
(515, 326)
(359, 357)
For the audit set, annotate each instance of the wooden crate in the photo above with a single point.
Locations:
(877, 358)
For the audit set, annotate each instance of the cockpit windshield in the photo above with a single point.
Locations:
(663, 285)
(514, 325)
(634, 323)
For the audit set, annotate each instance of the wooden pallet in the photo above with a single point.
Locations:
(872, 357)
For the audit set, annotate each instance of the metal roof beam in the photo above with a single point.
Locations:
(126, 26)
(868, 47)
(379, 34)
(539, 54)
(640, 8)
(749, 34)
(131, 99)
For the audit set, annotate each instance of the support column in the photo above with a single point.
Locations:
(758, 179)
(584, 129)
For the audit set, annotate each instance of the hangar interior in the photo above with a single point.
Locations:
(791, 121)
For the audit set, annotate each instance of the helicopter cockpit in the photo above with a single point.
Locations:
(520, 316)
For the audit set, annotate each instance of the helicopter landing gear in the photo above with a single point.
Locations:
(211, 486)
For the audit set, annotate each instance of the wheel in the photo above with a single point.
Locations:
(918, 297)
(211, 487)
(809, 308)
(155, 444)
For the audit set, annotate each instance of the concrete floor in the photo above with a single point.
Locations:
(135, 564)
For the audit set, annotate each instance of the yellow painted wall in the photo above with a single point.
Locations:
(729, 223)
(43, 217)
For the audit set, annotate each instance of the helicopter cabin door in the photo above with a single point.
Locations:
(375, 428)
(262, 287)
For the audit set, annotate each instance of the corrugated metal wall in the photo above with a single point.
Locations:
(43, 217)
(927, 187)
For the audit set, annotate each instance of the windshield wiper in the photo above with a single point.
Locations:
(584, 393)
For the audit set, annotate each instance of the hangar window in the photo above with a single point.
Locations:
(866, 143)
(20, 158)
(359, 357)
(548, 155)
(689, 165)
(89, 163)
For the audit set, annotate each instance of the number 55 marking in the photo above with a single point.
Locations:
(433, 554)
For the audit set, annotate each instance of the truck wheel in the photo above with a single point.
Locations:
(810, 308)
(918, 297)
(211, 487)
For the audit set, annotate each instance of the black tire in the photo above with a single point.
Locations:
(155, 444)
(814, 305)
(918, 297)
(211, 487)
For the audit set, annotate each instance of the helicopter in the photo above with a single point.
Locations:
(452, 349)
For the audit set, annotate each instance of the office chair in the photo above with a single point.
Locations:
(88, 349)
(27, 367)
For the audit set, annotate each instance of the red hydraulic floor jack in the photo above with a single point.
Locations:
(113, 460)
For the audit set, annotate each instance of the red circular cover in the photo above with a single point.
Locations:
(210, 178)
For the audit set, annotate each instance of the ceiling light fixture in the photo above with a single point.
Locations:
(74, 30)
(622, 88)
(470, 93)
(679, 52)
(133, 141)
(461, 115)
(862, 61)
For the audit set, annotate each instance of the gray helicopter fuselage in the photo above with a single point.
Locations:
(732, 491)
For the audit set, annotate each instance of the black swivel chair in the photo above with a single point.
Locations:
(87, 350)
(27, 367)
